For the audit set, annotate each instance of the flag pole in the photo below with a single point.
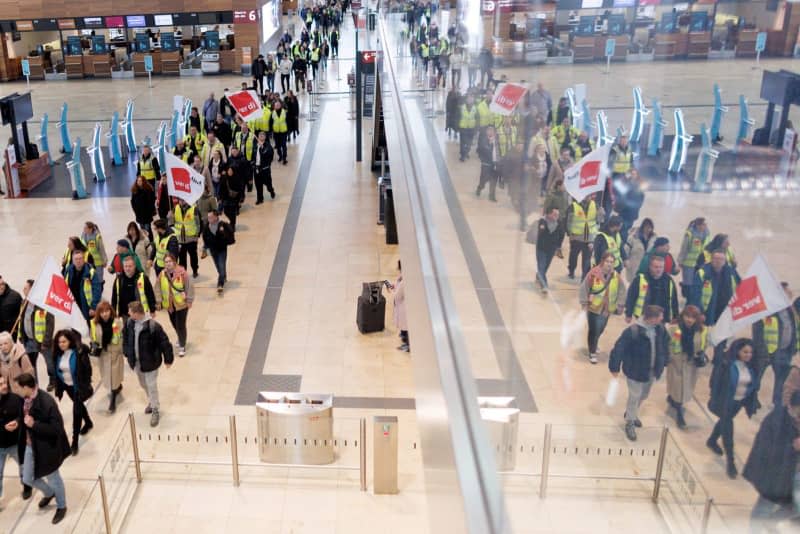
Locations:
(19, 317)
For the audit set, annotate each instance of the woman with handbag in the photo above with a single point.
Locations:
(106, 331)
(687, 350)
(74, 376)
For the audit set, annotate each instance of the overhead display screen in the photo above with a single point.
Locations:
(163, 20)
(135, 21)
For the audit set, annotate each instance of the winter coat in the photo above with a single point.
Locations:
(10, 306)
(154, 345)
(81, 370)
(636, 249)
(632, 352)
(722, 290)
(48, 438)
(548, 241)
(142, 249)
(124, 292)
(220, 240)
(724, 377)
(18, 364)
(143, 203)
(49, 329)
(206, 203)
(772, 462)
(400, 313)
(10, 410)
(791, 389)
(452, 110)
(97, 287)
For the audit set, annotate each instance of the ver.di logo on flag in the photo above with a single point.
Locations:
(509, 96)
(181, 180)
(747, 300)
(58, 295)
(590, 174)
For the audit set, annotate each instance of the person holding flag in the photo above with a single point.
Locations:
(84, 283)
(775, 342)
(714, 285)
(36, 334)
(187, 226)
(653, 287)
(583, 220)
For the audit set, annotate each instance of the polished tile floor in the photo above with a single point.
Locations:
(336, 246)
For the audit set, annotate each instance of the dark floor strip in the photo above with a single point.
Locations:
(507, 359)
(253, 378)
(374, 403)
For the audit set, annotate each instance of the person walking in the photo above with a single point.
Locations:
(84, 283)
(660, 248)
(489, 154)
(165, 241)
(10, 419)
(639, 242)
(719, 242)
(147, 166)
(467, 124)
(775, 342)
(688, 339)
(628, 200)
(140, 245)
(175, 295)
(601, 294)
(74, 376)
(550, 235)
(229, 193)
(13, 360)
(695, 238)
(399, 313)
(146, 346)
(187, 226)
(210, 111)
(734, 385)
(285, 70)
(106, 335)
(653, 287)
(280, 126)
(261, 163)
(36, 329)
(206, 203)
(714, 285)
(124, 251)
(258, 69)
(217, 236)
(609, 239)
(42, 445)
(292, 106)
(642, 352)
(10, 307)
(214, 169)
(93, 240)
(583, 220)
(132, 285)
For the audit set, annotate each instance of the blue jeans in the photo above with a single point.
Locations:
(49, 485)
(543, 260)
(220, 259)
(4, 453)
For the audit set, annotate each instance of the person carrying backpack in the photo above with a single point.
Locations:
(217, 236)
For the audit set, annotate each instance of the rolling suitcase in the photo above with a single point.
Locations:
(371, 312)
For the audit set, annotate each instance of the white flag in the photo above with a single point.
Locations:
(51, 293)
(183, 181)
(759, 295)
(246, 103)
(589, 175)
(506, 98)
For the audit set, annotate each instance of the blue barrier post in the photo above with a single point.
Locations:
(719, 110)
(656, 130)
(66, 143)
(44, 142)
(115, 152)
(76, 172)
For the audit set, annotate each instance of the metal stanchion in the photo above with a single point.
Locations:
(660, 463)
(137, 462)
(362, 463)
(234, 450)
(548, 434)
(706, 515)
(104, 498)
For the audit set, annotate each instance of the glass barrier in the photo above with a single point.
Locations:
(91, 519)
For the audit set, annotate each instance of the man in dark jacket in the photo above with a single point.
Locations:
(85, 283)
(222, 131)
(10, 306)
(262, 159)
(132, 285)
(36, 328)
(10, 419)
(714, 285)
(42, 444)
(258, 68)
(642, 351)
(217, 235)
(609, 238)
(653, 287)
(146, 345)
(489, 154)
(548, 242)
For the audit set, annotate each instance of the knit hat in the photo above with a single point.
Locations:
(124, 243)
(660, 241)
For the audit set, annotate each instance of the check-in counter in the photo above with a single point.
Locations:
(101, 65)
(37, 67)
(583, 47)
(227, 61)
(620, 50)
(699, 43)
(33, 172)
(666, 44)
(746, 47)
(73, 66)
(138, 62)
(170, 63)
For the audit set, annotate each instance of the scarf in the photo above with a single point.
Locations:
(687, 339)
(107, 329)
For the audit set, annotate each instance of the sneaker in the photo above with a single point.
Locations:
(148, 409)
(593, 357)
(403, 347)
(714, 446)
(219, 290)
(571, 276)
(272, 194)
(154, 418)
(630, 431)
(679, 419)
(51, 385)
(86, 428)
(27, 491)
(194, 274)
(46, 501)
(637, 422)
(74, 448)
(60, 513)
(731, 470)
(181, 351)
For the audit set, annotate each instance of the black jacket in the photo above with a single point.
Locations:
(219, 240)
(143, 203)
(81, 374)
(223, 132)
(632, 352)
(10, 306)
(124, 292)
(154, 345)
(10, 410)
(722, 384)
(664, 287)
(771, 464)
(49, 329)
(546, 240)
(485, 149)
(266, 156)
(48, 438)
(258, 68)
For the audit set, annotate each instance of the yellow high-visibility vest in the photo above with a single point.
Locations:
(185, 223)
(708, 291)
(176, 288)
(600, 290)
(279, 121)
(146, 168)
(696, 246)
(161, 247)
(506, 139)
(614, 244)
(675, 336)
(139, 290)
(643, 288)
(115, 333)
(580, 219)
(246, 147)
(484, 114)
(772, 335)
(39, 325)
(623, 160)
(469, 117)
(87, 286)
